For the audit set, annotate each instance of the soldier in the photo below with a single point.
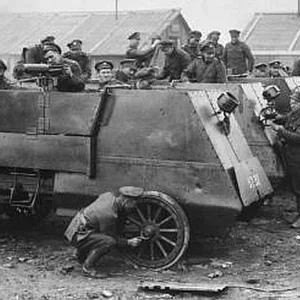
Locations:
(70, 80)
(261, 70)
(127, 70)
(192, 46)
(214, 37)
(94, 230)
(288, 132)
(206, 68)
(142, 57)
(104, 70)
(276, 70)
(76, 53)
(4, 82)
(237, 56)
(176, 61)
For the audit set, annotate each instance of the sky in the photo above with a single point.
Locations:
(203, 15)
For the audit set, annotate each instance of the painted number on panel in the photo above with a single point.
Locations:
(253, 181)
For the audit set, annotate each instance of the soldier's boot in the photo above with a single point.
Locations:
(296, 222)
(88, 267)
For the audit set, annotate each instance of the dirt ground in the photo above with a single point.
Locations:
(256, 259)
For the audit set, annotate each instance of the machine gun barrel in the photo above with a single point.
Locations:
(43, 69)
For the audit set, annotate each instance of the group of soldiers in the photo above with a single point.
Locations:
(204, 61)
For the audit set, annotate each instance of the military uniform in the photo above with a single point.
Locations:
(175, 63)
(276, 70)
(83, 60)
(142, 57)
(112, 82)
(4, 82)
(296, 68)
(238, 56)
(261, 70)
(66, 83)
(289, 137)
(192, 49)
(200, 71)
(94, 231)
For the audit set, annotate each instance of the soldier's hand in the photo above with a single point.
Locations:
(155, 43)
(134, 242)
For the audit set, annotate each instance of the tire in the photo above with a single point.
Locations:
(164, 228)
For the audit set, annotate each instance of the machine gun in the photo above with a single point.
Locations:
(43, 74)
(269, 112)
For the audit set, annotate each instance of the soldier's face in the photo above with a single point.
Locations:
(194, 40)
(168, 50)
(214, 38)
(234, 39)
(208, 56)
(52, 57)
(105, 75)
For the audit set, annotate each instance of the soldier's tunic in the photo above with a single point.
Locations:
(83, 60)
(65, 83)
(296, 68)
(96, 227)
(201, 71)
(175, 64)
(142, 57)
(238, 57)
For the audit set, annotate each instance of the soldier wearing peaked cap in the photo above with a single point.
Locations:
(94, 230)
(237, 56)
(142, 56)
(261, 70)
(276, 69)
(214, 38)
(192, 46)
(70, 80)
(126, 71)
(104, 70)
(76, 53)
(176, 61)
(288, 139)
(206, 68)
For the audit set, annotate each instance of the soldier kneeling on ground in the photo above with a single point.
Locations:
(94, 230)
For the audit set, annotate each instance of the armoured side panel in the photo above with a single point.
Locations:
(232, 149)
(156, 139)
(58, 153)
(19, 110)
(260, 138)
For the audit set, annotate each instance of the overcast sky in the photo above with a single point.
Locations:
(204, 15)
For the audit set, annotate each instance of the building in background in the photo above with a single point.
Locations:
(274, 36)
(104, 34)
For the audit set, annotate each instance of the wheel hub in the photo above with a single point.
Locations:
(150, 231)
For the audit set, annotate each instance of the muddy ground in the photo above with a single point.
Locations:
(256, 259)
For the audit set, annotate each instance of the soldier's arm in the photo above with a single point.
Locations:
(249, 56)
(190, 71)
(291, 137)
(137, 53)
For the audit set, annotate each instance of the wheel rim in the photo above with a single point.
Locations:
(164, 228)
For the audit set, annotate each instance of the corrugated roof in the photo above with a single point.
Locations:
(273, 32)
(100, 32)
